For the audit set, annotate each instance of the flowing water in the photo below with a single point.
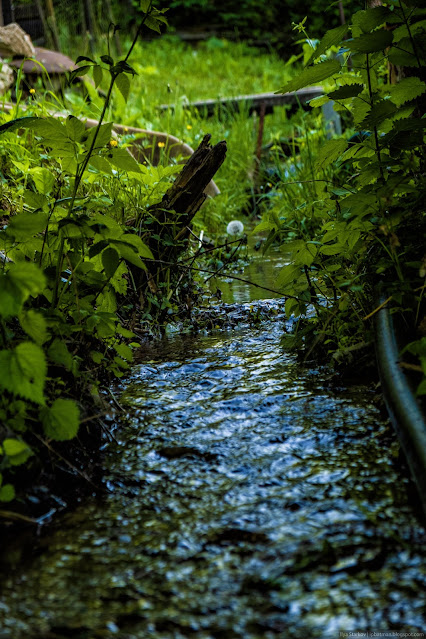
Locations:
(249, 498)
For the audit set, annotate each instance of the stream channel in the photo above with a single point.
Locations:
(249, 497)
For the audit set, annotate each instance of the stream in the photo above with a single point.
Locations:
(249, 497)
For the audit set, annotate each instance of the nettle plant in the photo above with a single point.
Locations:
(67, 254)
(360, 215)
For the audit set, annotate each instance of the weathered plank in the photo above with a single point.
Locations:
(254, 102)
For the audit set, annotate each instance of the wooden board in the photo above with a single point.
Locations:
(254, 102)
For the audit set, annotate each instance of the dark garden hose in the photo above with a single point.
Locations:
(404, 411)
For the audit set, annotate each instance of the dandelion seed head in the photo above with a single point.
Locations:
(235, 227)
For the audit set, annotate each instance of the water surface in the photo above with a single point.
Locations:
(250, 498)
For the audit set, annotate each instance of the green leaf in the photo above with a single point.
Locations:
(123, 85)
(317, 73)
(371, 42)
(320, 101)
(103, 138)
(75, 128)
(107, 60)
(347, 91)
(136, 242)
(23, 371)
(59, 354)
(381, 111)
(153, 24)
(329, 153)
(145, 5)
(35, 200)
(371, 18)
(331, 38)
(17, 284)
(35, 326)
(118, 282)
(26, 225)
(97, 74)
(123, 67)
(123, 160)
(61, 420)
(78, 72)
(43, 179)
(19, 123)
(407, 89)
(287, 275)
(360, 108)
(50, 129)
(403, 54)
(124, 351)
(7, 493)
(331, 250)
(110, 261)
(100, 164)
(130, 254)
(16, 450)
(84, 58)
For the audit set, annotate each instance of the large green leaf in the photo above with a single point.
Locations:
(135, 240)
(407, 89)
(123, 85)
(23, 371)
(75, 128)
(287, 275)
(50, 129)
(121, 159)
(103, 137)
(370, 19)
(346, 91)
(331, 38)
(329, 153)
(110, 261)
(26, 225)
(18, 123)
(17, 284)
(381, 111)
(371, 42)
(34, 324)
(312, 75)
(43, 179)
(61, 420)
(59, 354)
(16, 450)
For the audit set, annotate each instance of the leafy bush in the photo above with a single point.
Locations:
(354, 214)
(76, 229)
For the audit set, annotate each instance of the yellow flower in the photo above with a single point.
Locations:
(161, 144)
(189, 127)
(126, 130)
(32, 91)
(113, 143)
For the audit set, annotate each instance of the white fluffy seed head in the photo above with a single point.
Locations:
(235, 227)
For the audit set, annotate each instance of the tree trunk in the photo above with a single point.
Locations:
(53, 27)
(179, 205)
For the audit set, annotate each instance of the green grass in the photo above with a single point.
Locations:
(174, 73)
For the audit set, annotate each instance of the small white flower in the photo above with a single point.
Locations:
(235, 227)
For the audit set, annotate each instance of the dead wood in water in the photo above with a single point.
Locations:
(181, 202)
(174, 214)
(187, 194)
